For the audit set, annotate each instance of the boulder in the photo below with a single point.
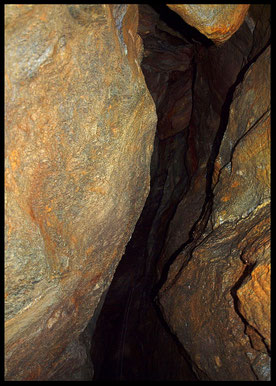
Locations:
(79, 131)
(216, 21)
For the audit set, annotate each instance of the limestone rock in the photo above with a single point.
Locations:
(219, 283)
(216, 21)
(79, 135)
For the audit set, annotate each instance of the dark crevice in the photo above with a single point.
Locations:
(131, 321)
(261, 119)
(195, 232)
(246, 273)
(174, 21)
(199, 225)
(224, 121)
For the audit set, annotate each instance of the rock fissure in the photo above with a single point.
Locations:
(249, 330)
(123, 334)
(199, 226)
(194, 234)
(149, 173)
(259, 120)
(170, 274)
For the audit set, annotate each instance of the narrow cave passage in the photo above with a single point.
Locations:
(192, 83)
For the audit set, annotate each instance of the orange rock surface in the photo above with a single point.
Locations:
(254, 297)
(79, 129)
(216, 21)
(79, 133)
(217, 295)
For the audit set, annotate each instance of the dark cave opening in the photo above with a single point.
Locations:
(186, 76)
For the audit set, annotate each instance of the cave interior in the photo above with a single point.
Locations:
(192, 82)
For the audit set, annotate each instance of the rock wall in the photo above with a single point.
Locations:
(79, 130)
(216, 298)
(190, 299)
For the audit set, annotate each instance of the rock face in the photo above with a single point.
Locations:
(80, 124)
(190, 299)
(216, 297)
(216, 21)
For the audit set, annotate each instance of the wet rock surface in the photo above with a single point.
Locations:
(80, 125)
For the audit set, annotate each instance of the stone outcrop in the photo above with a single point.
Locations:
(80, 125)
(216, 21)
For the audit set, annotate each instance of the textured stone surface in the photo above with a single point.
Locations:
(254, 298)
(79, 128)
(216, 297)
(216, 21)
(79, 135)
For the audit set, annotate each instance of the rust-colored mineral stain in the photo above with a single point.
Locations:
(218, 361)
(14, 159)
(74, 239)
(261, 280)
(48, 209)
(114, 131)
(43, 17)
(89, 250)
(97, 189)
(226, 198)
(8, 80)
(216, 171)
(235, 184)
